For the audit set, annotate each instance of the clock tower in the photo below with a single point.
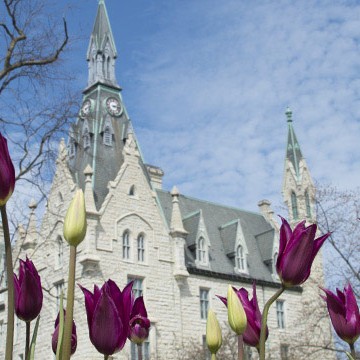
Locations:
(97, 138)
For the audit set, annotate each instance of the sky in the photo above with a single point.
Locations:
(206, 84)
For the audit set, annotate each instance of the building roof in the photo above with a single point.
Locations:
(221, 227)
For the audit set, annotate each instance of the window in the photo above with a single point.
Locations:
(60, 252)
(132, 190)
(126, 245)
(137, 286)
(201, 251)
(240, 258)
(141, 248)
(284, 352)
(145, 350)
(280, 314)
(86, 138)
(307, 203)
(204, 303)
(107, 136)
(72, 148)
(294, 206)
(59, 288)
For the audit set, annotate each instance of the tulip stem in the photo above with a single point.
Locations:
(69, 305)
(353, 353)
(27, 341)
(264, 322)
(139, 346)
(240, 347)
(213, 356)
(10, 286)
(106, 357)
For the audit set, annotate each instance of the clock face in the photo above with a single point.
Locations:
(113, 106)
(86, 108)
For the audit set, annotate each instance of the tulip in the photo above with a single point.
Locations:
(7, 173)
(213, 333)
(344, 313)
(297, 252)
(139, 322)
(75, 220)
(108, 313)
(253, 315)
(236, 313)
(28, 291)
(55, 336)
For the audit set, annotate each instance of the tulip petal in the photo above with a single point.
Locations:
(106, 326)
(89, 305)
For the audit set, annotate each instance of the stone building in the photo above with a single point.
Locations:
(179, 251)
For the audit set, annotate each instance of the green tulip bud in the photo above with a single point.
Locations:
(236, 313)
(213, 333)
(75, 220)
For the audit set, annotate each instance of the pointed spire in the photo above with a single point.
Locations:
(293, 151)
(102, 52)
(31, 233)
(176, 225)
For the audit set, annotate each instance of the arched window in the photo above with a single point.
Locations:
(307, 203)
(132, 190)
(294, 206)
(59, 252)
(72, 148)
(107, 136)
(201, 251)
(108, 67)
(141, 247)
(126, 245)
(86, 138)
(240, 258)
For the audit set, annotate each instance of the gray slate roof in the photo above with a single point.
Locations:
(258, 233)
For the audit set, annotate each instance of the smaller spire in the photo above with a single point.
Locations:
(88, 193)
(288, 114)
(31, 233)
(176, 225)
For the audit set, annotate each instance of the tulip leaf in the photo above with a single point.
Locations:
(33, 339)
(61, 328)
(349, 356)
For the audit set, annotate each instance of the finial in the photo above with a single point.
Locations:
(288, 114)
(174, 191)
(32, 205)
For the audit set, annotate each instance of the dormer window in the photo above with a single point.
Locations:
(60, 252)
(201, 251)
(107, 136)
(132, 190)
(126, 245)
(240, 258)
(86, 138)
(294, 206)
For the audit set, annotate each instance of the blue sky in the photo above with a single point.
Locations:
(206, 84)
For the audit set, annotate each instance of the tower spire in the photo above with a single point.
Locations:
(102, 52)
(293, 151)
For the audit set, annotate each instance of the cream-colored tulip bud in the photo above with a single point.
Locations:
(75, 220)
(213, 333)
(236, 313)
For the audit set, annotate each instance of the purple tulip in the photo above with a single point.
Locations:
(28, 291)
(108, 314)
(7, 172)
(55, 336)
(297, 252)
(139, 322)
(344, 313)
(253, 314)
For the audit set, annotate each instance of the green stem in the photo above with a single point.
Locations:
(10, 286)
(27, 341)
(139, 346)
(213, 356)
(353, 353)
(69, 305)
(264, 322)
(240, 347)
(106, 357)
